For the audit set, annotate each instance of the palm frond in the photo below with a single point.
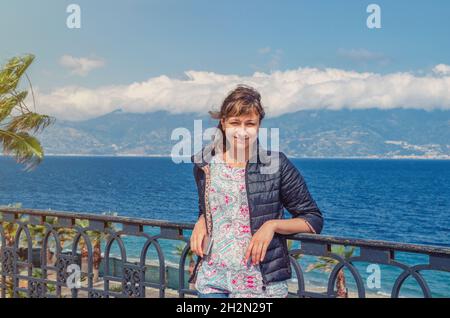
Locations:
(12, 72)
(17, 122)
(25, 148)
(7, 104)
(326, 264)
(29, 122)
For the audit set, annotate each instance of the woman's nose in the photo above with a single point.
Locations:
(242, 131)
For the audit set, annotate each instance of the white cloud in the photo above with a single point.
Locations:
(282, 92)
(442, 69)
(80, 65)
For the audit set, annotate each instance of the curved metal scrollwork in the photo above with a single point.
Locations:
(40, 269)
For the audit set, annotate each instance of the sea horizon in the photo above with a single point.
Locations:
(289, 156)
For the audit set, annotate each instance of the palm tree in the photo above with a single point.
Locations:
(96, 238)
(37, 233)
(190, 255)
(290, 245)
(327, 264)
(16, 119)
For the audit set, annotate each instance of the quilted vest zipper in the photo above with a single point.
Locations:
(251, 226)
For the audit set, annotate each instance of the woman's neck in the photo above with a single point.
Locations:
(232, 161)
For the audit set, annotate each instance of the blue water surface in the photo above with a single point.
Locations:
(395, 200)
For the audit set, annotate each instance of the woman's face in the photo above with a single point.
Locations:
(241, 131)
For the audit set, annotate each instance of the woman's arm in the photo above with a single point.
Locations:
(290, 226)
(199, 231)
(261, 239)
(297, 199)
(195, 171)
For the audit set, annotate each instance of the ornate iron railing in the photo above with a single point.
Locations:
(34, 262)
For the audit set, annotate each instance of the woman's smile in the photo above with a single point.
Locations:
(241, 140)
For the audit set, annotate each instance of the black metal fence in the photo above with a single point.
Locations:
(35, 263)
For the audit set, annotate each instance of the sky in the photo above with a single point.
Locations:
(185, 55)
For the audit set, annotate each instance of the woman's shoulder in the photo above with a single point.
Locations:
(277, 156)
(273, 161)
(284, 162)
(272, 153)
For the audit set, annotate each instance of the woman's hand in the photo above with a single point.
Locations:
(259, 243)
(198, 234)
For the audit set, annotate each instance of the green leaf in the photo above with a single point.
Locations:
(25, 148)
(13, 71)
(29, 121)
(8, 104)
(15, 138)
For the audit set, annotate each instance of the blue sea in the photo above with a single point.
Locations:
(395, 200)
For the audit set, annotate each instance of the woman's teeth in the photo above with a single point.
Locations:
(241, 139)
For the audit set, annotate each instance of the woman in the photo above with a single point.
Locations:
(240, 224)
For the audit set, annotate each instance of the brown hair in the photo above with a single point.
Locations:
(242, 100)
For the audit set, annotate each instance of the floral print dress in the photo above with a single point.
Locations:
(225, 271)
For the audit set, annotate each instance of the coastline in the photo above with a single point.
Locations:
(443, 158)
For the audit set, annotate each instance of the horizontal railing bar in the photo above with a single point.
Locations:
(397, 246)
(380, 244)
(97, 217)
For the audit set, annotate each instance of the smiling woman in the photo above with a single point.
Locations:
(240, 117)
(239, 234)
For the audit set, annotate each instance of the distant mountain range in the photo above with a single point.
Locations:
(395, 133)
